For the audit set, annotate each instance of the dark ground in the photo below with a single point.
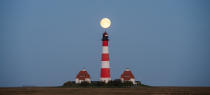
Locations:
(106, 91)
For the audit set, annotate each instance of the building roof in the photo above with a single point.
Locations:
(82, 75)
(127, 75)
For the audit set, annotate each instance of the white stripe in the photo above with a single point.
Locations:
(105, 79)
(105, 49)
(105, 64)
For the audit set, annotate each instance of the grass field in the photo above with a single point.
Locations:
(106, 91)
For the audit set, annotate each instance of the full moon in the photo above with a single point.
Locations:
(105, 23)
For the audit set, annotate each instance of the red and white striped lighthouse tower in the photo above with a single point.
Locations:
(105, 67)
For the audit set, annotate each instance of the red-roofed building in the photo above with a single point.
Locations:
(83, 76)
(127, 76)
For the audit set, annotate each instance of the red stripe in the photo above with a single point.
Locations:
(105, 57)
(105, 73)
(105, 43)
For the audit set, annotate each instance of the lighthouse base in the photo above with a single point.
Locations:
(106, 80)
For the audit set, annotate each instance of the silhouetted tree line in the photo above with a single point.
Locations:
(98, 84)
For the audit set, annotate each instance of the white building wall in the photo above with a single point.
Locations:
(131, 80)
(88, 80)
(122, 80)
(77, 81)
(106, 80)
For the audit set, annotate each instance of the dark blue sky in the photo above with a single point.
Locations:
(47, 42)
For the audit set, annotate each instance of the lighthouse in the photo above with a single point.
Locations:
(105, 67)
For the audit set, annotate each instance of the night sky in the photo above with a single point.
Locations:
(47, 42)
